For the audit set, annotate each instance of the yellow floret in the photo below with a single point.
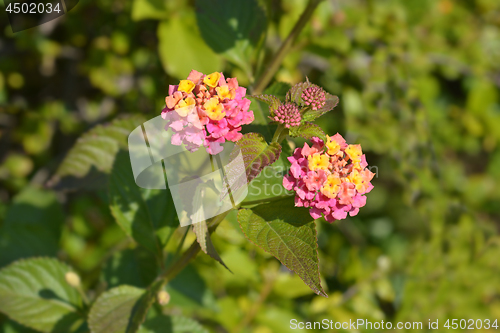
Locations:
(186, 85)
(354, 152)
(318, 161)
(212, 80)
(356, 178)
(224, 92)
(333, 146)
(214, 109)
(331, 187)
(184, 106)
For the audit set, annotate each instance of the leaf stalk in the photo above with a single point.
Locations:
(275, 63)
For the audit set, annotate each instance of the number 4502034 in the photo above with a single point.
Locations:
(471, 324)
(32, 8)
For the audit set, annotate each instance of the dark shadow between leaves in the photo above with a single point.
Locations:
(93, 180)
(49, 294)
(284, 210)
(69, 323)
(190, 284)
(159, 324)
(31, 227)
(265, 130)
(222, 22)
(136, 267)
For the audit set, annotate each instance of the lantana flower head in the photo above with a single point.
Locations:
(287, 114)
(330, 178)
(314, 97)
(206, 110)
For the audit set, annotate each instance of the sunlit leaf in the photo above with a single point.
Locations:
(113, 310)
(122, 309)
(289, 234)
(295, 93)
(330, 103)
(203, 237)
(149, 9)
(307, 131)
(272, 101)
(95, 150)
(182, 49)
(141, 308)
(35, 293)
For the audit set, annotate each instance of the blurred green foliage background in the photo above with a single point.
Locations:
(418, 82)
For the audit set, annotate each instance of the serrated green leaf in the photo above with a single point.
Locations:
(203, 238)
(278, 89)
(289, 234)
(257, 154)
(130, 205)
(34, 292)
(232, 28)
(273, 102)
(112, 311)
(143, 305)
(330, 103)
(171, 324)
(94, 152)
(295, 93)
(307, 131)
(182, 49)
(122, 309)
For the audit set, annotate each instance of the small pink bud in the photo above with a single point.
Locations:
(288, 114)
(314, 96)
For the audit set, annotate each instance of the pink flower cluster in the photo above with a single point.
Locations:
(287, 114)
(329, 178)
(206, 110)
(315, 97)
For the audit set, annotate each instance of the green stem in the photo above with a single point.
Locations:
(277, 134)
(181, 243)
(283, 135)
(190, 253)
(224, 179)
(285, 48)
(84, 296)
